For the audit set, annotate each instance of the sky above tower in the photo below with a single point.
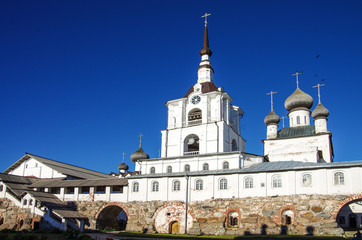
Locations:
(80, 80)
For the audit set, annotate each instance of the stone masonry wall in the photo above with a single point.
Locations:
(318, 212)
(13, 217)
(211, 217)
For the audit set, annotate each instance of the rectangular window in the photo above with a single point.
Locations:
(69, 190)
(85, 190)
(100, 189)
(117, 189)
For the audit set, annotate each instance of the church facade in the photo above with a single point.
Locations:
(204, 182)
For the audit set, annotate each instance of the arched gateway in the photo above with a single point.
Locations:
(112, 216)
(349, 215)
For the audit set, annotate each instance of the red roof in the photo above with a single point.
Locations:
(205, 88)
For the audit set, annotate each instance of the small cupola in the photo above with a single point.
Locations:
(272, 118)
(139, 154)
(123, 167)
(320, 112)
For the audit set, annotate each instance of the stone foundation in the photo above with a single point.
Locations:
(315, 212)
(13, 217)
(219, 216)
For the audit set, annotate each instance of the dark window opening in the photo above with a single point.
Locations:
(195, 117)
(85, 190)
(117, 189)
(187, 168)
(100, 189)
(192, 145)
(69, 190)
(55, 190)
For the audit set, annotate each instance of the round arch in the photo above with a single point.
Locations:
(348, 212)
(192, 145)
(112, 216)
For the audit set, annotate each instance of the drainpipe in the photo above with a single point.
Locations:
(186, 202)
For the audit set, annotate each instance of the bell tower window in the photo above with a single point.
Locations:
(191, 145)
(195, 116)
(234, 145)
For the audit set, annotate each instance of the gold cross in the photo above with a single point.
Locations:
(283, 120)
(319, 91)
(271, 98)
(296, 74)
(205, 16)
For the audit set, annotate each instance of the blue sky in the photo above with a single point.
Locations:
(81, 79)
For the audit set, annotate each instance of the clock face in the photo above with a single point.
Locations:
(196, 99)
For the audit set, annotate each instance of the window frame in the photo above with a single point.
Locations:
(225, 165)
(199, 185)
(155, 187)
(248, 184)
(341, 179)
(176, 186)
(223, 184)
(277, 181)
(306, 184)
(135, 187)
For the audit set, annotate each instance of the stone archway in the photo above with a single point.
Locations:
(167, 215)
(112, 216)
(348, 212)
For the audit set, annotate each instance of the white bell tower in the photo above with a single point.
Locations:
(204, 121)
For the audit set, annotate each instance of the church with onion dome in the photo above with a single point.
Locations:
(205, 181)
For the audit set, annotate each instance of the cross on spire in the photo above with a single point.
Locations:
(271, 99)
(205, 16)
(283, 120)
(296, 75)
(319, 91)
(140, 138)
(123, 157)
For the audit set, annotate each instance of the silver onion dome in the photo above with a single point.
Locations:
(272, 118)
(123, 166)
(139, 154)
(320, 112)
(298, 99)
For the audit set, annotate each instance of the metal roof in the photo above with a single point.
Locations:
(79, 183)
(64, 168)
(16, 179)
(300, 131)
(55, 204)
(258, 168)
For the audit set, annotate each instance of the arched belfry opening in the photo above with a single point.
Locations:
(191, 145)
(112, 217)
(195, 116)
